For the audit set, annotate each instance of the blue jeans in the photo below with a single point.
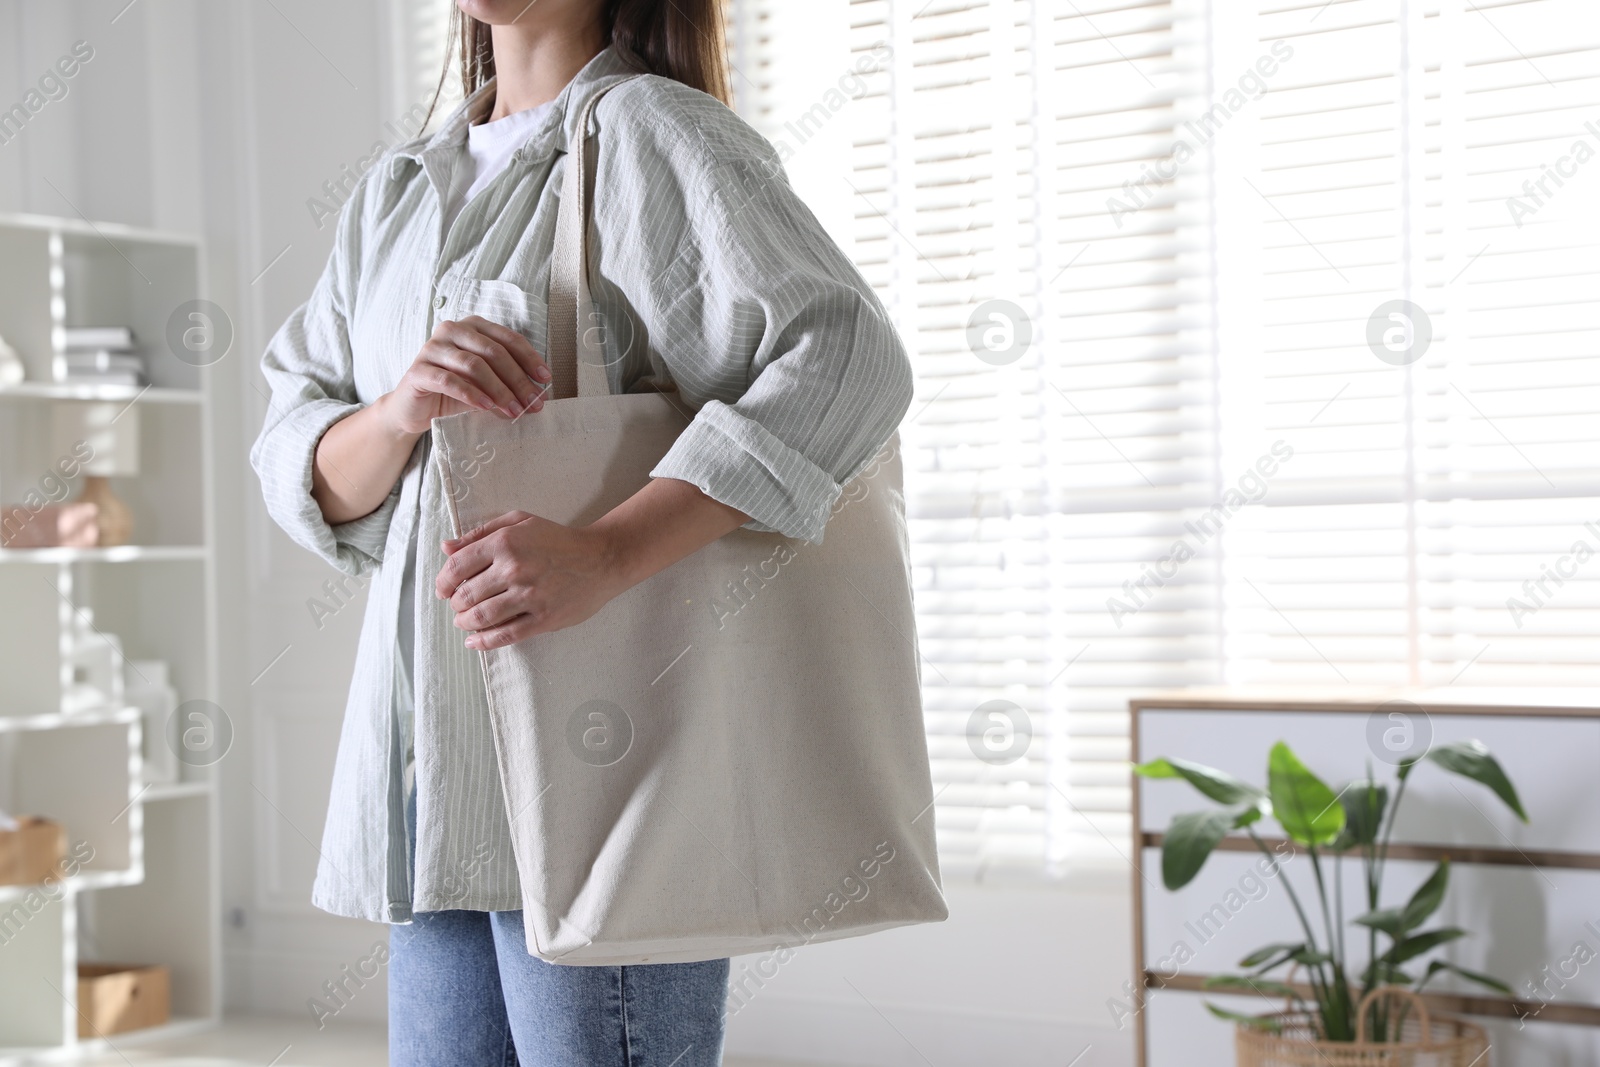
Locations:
(465, 992)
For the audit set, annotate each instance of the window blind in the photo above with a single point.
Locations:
(1059, 441)
(1508, 442)
(1424, 491)
(422, 29)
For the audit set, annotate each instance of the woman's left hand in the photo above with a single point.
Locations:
(521, 575)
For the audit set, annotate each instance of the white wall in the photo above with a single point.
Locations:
(1017, 976)
(226, 117)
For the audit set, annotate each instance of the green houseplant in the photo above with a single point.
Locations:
(1329, 826)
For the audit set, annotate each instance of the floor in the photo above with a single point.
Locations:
(272, 1042)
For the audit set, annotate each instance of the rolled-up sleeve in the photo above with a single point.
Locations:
(308, 366)
(764, 321)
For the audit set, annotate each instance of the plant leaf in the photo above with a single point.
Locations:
(1304, 806)
(1189, 842)
(1364, 805)
(1220, 786)
(1385, 920)
(1412, 947)
(1397, 922)
(1255, 1022)
(1482, 979)
(1471, 759)
(1267, 952)
(1243, 984)
(1426, 900)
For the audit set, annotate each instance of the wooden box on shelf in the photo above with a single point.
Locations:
(32, 853)
(114, 998)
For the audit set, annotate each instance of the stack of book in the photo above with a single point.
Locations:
(99, 355)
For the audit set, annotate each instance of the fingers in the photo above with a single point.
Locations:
(520, 347)
(477, 533)
(455, 347)
(480, 588)
(490, 352)
(508, 633)
(496, 610)
(464, 376)
(466, 562)
(432, 378)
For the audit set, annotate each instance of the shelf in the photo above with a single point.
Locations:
(59, 721)
(105, 879)
(174, 791)
(78, 883)
(117, 554)
(146, 886)
(177, 1026)
(146, 394)
(102, 230)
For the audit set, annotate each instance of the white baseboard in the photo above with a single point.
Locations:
(840, 1034)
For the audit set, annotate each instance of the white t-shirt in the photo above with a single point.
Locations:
(489, 148)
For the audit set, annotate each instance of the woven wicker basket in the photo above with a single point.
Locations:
(1425, 1041)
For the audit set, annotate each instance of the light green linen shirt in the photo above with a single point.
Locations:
(712, 275)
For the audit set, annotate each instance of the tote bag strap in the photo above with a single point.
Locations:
(577, 356)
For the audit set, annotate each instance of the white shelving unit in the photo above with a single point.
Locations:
(146, 889)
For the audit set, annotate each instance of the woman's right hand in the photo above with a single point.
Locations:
(467, 365)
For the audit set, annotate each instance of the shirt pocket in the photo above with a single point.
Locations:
(505, 304)
(612, 327)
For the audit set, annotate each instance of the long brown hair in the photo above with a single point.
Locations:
(679, 39)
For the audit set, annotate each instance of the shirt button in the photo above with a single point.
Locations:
(438, 302)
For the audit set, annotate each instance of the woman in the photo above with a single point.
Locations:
(717, 283)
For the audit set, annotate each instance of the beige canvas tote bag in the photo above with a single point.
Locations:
(729, 757)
